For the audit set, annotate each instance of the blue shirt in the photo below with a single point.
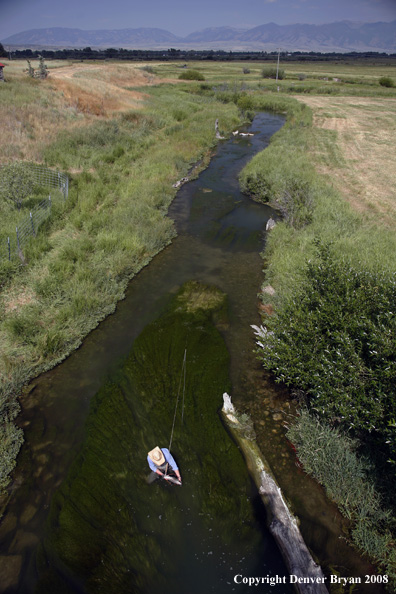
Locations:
(168, 458)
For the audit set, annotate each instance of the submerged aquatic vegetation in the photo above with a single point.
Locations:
(107, 527)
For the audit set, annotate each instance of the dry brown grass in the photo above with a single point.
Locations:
(28, 127)
(100, 90)
(72, 95)
(362, 162)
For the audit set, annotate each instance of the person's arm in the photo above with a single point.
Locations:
(171, 461)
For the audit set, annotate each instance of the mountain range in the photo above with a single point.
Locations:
(343, 36)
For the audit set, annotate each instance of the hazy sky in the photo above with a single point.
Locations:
(182, 17)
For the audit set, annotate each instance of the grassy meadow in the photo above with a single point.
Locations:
(125, 133)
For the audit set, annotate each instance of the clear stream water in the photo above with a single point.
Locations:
(220, 235)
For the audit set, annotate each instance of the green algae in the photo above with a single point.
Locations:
(108, 529)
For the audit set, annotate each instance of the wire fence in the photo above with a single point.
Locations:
(27, 229)
(49, 178)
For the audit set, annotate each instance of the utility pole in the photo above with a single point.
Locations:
(277, 66)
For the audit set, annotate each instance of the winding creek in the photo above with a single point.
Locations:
(81, 516)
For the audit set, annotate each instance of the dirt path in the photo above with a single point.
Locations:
(362, 160)
(101, 89)
(69, 71)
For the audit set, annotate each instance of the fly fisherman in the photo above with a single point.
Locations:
(160, 461)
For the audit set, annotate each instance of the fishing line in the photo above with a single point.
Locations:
(183, 372)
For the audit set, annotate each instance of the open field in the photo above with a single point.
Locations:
(355, 147)
(353, 77)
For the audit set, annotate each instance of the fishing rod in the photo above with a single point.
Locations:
(182, 375)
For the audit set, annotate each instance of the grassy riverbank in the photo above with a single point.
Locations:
(122, 163)
(331, 262)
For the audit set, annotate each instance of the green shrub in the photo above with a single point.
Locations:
(245, 103)
(386, 81)
(270, 72)
(148, 69)
(191, 75)
(296, 201)
(335, 339)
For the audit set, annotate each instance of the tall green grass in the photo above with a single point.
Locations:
(331, 457)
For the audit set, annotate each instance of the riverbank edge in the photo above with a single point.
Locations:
(260, 177)
(11, 436)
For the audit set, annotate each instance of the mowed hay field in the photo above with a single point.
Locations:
(354, 145)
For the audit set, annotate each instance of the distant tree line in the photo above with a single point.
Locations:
(88, 53)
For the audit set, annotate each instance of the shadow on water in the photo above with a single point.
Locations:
(81, 517)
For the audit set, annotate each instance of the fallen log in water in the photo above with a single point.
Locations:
(308, 577)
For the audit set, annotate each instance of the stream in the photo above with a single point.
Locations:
(81, 516)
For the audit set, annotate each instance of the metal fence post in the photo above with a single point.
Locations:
(31, 220)
(9, 250)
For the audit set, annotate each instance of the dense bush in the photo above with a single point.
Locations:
(293, 193)
(386, 81)
(191, 75)
(270, 72)
(335, 339)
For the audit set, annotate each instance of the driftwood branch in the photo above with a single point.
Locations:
(282, 524)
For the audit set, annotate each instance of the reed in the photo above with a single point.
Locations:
(331, 457)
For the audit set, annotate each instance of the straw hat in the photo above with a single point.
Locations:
(157, 456)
